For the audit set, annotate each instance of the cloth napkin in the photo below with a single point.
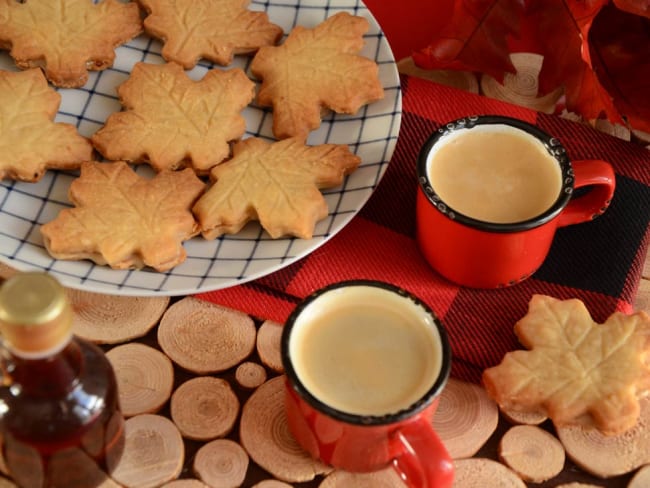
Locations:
(599, 262)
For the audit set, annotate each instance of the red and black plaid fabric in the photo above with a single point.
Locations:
(599, 262)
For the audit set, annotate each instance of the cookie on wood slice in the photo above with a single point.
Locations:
(145, 378)
(608, 456)
(205, 338)
(204, 408)
(67, 38)
(465, 419)
(170, 121)
(316, 69)
(124, 220)
(222, 463)
(276, 183)
(32, 142)
(214, 30)
(153, 453)
(534, 454)
(111, 319)
(265, 435)
(482, 472)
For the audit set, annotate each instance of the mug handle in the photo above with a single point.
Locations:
(589, 172)
(424, 461)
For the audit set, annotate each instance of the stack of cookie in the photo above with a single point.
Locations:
(209, 181)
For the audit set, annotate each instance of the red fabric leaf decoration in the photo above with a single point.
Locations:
(476, 38)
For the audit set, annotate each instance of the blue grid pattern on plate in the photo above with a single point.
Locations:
(229, 260)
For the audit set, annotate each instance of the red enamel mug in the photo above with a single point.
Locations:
(354, 411)
(485, 252)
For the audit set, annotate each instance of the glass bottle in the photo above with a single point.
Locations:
(60, 421)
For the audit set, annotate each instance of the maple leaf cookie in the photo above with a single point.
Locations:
(315, 69)
(30, 140)
(171, 121)
(276, 183)
(212, 29)
(66, 37)
(575, 370)
(124, 220)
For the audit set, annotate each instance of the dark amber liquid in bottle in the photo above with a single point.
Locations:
(61, 424)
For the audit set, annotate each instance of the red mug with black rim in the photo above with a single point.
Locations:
(492, 192)
(365, 363)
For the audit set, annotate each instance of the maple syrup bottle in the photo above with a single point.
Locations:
(60, 421)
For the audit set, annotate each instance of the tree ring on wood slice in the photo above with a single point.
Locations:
(641, 479)
(465, 419)
(534, 454)
(524, 418)
(483, 473)
(205, 338)
(268, 345)
(250, 375)
(606, 456)
(204, 408)
(111, 319)
(384, 478)
(145, 378)
(264, 433)
(153, 453)
(221, 463)
(271, 484)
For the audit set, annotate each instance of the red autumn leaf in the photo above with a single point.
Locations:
(599, 50)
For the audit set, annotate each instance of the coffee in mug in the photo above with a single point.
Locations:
(365, 363)
(365, 351)
(494, 173)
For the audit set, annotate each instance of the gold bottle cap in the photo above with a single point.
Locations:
(35, 315)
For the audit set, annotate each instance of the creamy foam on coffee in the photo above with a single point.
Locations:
(494, 173)
(365, 350)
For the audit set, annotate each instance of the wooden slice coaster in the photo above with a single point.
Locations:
(250, 375)
(482, 472)
(521, 88)
(186, 483)
(221, 463)
(534, 454)
(145, 378)
(268, 345)
(265, 435)
(112, 319)
(153, 453)
(524, 418)
(205, 338)
(385, 478)
(641, 479)
(606, 456)
(270, 484)
(204, 408)
(465, 419)
(463, 80)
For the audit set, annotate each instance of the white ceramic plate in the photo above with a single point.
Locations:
(230, 260)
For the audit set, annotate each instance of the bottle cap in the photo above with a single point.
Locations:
(35, 315)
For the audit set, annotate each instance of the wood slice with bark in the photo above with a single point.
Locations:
(204, 408)
(265, 435)
(205, 338)
(607, 456)
(533, 453)
(113, 319)
(250, 375)
(465, 419)
(221, 463)
(145, 377)
(153, 453)
(524, 418)
(483, 472)
(268, 345)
